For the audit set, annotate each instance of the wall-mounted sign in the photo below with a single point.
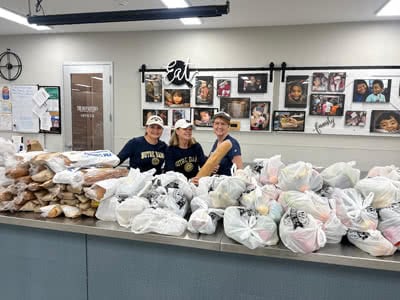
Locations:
(178, 73)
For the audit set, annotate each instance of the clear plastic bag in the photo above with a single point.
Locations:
(341, 175)
(391, 172)
(131, 207)
(372, 242)
(384, 190)
(270, 168)
(296, 177)
(389, 223)
(227, 192)
(205, 220)
(106, 209)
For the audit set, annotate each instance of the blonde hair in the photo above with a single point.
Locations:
(174, 140)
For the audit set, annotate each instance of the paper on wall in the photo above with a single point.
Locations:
(45, 121)
(5, 121)
(40, 97)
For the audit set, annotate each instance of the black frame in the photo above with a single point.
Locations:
(260, 88)
(276, 114)
(53, 130)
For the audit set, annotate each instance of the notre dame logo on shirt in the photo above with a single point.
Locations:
(155, 161)
(188, 167)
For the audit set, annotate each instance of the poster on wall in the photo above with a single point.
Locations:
(337, 82)
(5, 109)
(180, 113)
(177, 98)
(162, 113)
(320, 82)
(237, 107)
(202, 117)
(355, 118)
(224, 87)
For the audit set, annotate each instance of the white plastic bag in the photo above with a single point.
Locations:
(372, 242)
(70, 176)
(341, 175)
(160, 221)
(385, 191)
(270, 168)
(301, 232)
(205, 220)
(249, 228)
(227, 192)
(127, 210)
(132, 184)
(96, 158)
(107, 208)
(296, 177)
(389, 223)
(391, 172)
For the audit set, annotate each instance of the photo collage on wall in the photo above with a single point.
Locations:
(340, 102)
(242, 95)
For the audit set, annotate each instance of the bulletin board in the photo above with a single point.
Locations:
(247, 95)
(350, 110)
(23, 118)
(53, 106)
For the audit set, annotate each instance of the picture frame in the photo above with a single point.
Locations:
(385, 121)
(260, 116)
(180, 113)
(320, 82)
(372, 90)
(202, 117)
(254, 83)
(327, 104)
(337, 82)
(204, 90)
(153, 88)
(147, 113)
(288, 120)
(237, 107)
(177, 98)
(296, 91)
(224, 87)
(355, 118)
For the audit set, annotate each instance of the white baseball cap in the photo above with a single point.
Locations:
(182, 123)
(155, 120)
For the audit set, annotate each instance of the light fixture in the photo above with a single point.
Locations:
(132, 15)
(180, 4)
(97, 78)
(83, 85)
(11, 16)
(391, 8)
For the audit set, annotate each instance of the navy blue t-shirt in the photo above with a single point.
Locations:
(143, 155)
(226, 163)
(185, 161)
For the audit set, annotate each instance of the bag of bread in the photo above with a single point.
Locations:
(96, 158)
(94, 175)
(51, 211)
(102, 189)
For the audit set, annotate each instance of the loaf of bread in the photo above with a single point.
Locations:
(18, 171)
(91, 176)
(43, 176)
(214, 159)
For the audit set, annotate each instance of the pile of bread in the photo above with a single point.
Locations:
(53, 183)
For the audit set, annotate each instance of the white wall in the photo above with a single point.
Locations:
(311, 45)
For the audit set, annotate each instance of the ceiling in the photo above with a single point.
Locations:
(243, 13)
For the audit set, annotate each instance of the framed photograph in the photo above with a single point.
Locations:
(337, 82)
(252, 83)
(180, 113)
(372, 90)
(162, 113)
(153, 84)
(238, 108)
(355, 118)
(224, 87)
(204, 90)
(177, 98)
(320, 82)
(326, 104)
(202, 117)
(288, 120)
(385, 121)
(296, 91)
(260, 115)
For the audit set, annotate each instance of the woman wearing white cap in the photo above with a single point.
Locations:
(146, 152)
(184, 154)
(221, 122)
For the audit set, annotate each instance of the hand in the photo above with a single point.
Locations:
(215, 169)
(195, 180)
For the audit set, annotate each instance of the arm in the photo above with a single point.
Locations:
(238, 161)
(169, 160)
(126, 151)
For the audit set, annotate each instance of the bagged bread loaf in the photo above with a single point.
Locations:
(214, 159)
(18, 171)
(94, 175)
(51, 211)
(43, 176)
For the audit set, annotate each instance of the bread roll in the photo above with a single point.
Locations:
(214, 159)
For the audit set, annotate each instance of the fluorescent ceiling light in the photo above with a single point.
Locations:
(391, 8)
(76, 90)
(175, 3)
(180, 4)
(191, 21)
(6, 14)
(98, 78)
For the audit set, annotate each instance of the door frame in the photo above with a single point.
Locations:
(108, 106)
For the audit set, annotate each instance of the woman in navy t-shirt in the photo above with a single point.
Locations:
(146, 152)
(184, 154)
(221, 121)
